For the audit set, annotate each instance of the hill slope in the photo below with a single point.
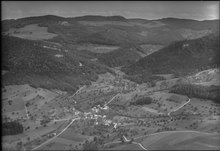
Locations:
(179, 58)
(32, 62)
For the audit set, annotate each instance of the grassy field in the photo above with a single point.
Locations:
(16, 105)
(32, 32)
(70, 135)
(68, 140)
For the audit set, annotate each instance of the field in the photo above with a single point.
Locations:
(32, 32)
(182, 141)
(67, 140)
(32, 134)
(23, 100)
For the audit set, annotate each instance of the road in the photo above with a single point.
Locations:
(77, 91)
(179, 107)
(56, 135)
(111, 100)
(68, 119)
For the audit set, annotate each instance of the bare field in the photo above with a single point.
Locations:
(97, 48)
(207, 77)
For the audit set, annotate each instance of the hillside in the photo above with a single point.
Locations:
(110, 30)
(36, 63)
(181, 57)
(132, 38)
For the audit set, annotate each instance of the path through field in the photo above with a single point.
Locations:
(56, 135)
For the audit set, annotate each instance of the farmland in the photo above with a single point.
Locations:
(100, 115)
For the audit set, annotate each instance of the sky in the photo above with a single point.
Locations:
(198, 10)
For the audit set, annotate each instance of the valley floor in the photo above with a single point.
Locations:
(101, 116)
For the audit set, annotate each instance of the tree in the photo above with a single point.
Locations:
(10, 102)
(132, 139)
(95, 139)
(122, 139)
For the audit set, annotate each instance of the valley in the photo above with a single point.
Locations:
(110, 83)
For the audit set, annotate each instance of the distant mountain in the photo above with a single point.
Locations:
(139, 20)
(118, 29)
(180, 57)
(99, 18)
(177, 23)
(136, 38)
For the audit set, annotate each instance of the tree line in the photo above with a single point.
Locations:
(198, 91)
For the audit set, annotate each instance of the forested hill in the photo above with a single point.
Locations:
(31, 62)
(180, 57)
